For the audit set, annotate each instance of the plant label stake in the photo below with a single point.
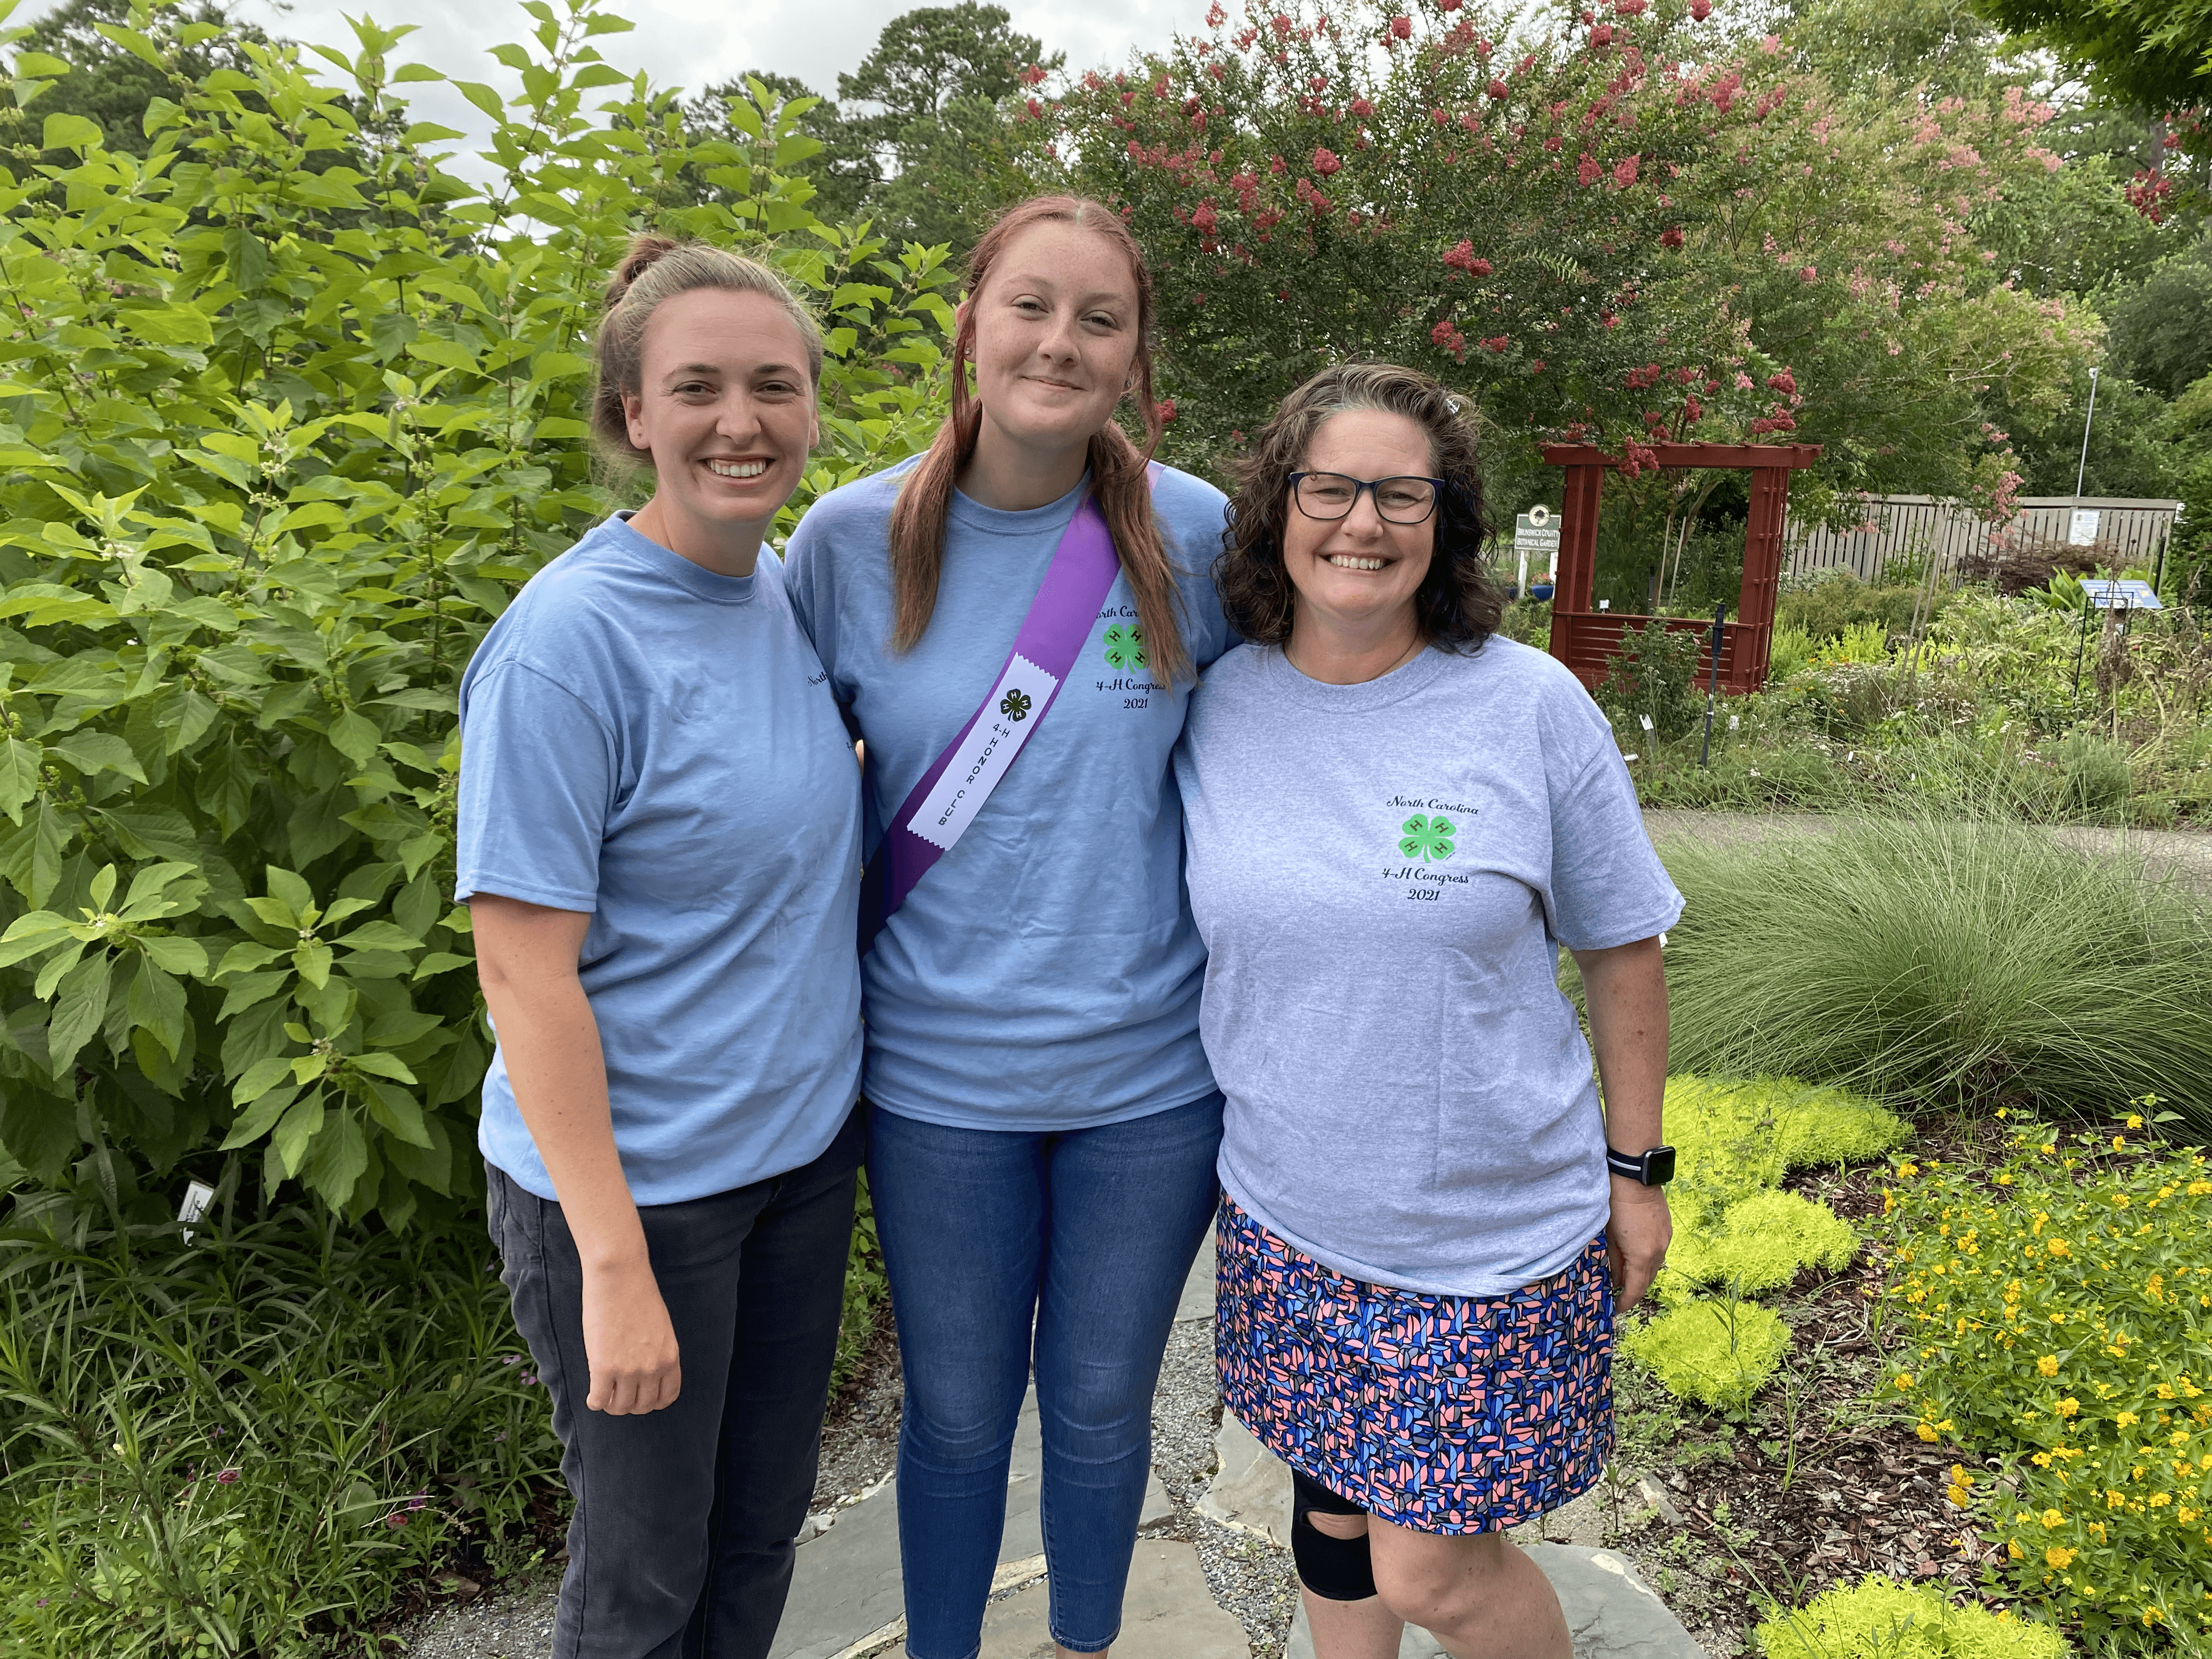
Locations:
(197, 1196)
(1713, 688)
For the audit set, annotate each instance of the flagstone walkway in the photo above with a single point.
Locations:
(845, 1598)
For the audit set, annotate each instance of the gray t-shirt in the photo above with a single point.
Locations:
(1383, 874)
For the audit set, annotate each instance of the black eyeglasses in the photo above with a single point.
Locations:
(1329, 496)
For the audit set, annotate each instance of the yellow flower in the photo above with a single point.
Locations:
(2058, 1246)
(1960, 1477)
(2134, 1120)
(2185, 1515)
(1958, 1495)
(2050, 1519)
(2069, 1406)
(1906, 1171)
(2119, 1143)
(1927, 1432)
(2048, 1147)
(2048, 1365)
(2059, 1556)
(2198, 1188)
(1904, 1380)
(2127, 1420)
(2013, 1550)
(2004, 1181)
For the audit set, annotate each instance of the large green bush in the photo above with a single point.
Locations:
(288, 410)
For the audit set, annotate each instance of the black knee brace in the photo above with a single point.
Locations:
(1334, 1569)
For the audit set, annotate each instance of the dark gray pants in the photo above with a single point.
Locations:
(681, 1544)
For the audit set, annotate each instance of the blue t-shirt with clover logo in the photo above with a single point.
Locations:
(1383, 874)
(652, 742)
(1045, 974)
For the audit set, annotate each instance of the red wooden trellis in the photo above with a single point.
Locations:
(1586, 639)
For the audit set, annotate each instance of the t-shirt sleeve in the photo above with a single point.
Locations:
(539, 776)
(1608, 887)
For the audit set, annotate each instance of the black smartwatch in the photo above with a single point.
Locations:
(1653, 1169)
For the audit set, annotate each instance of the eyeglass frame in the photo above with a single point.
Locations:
(1370, 486)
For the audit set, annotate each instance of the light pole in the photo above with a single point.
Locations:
(2080, 473)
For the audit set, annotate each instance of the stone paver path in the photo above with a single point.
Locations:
(846, 1602)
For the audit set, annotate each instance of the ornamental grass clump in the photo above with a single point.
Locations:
(1944, 962)
(2060, 1309)
(1880, 1617)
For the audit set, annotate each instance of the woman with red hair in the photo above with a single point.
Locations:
(1012, 623)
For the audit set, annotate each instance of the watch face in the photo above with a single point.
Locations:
(1658, 1166)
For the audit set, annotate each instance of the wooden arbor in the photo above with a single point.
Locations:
(1586, 639)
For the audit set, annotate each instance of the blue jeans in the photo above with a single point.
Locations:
(1089, 1233)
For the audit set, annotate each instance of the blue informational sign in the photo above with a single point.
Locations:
(2112, 594)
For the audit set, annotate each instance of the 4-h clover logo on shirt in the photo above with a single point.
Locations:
(1015, 705)
(1125, 648)
(1427, 837)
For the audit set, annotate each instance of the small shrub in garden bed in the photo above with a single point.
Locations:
(2060, 1310)
(1734, 1140)
(1715, 1352)
(1882, 1618)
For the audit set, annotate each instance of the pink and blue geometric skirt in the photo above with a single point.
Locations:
(1442, 1413)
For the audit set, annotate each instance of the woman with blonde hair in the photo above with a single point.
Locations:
(1432, 1211)
(659, 843)
(1013, 622)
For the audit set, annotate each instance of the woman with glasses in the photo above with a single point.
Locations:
(1394, 819)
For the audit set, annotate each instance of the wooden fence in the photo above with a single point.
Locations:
(1909, 527)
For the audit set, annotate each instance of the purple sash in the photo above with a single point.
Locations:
(940, 807)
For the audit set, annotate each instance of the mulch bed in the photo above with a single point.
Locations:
(1864, 1494)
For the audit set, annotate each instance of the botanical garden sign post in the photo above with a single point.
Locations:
(1586, 639)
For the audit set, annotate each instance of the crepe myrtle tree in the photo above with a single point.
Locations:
(1618, 226)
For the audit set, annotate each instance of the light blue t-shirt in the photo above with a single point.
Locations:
(1384, 873)
(1045, 974)
(652, 743)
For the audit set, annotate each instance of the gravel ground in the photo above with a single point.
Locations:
(1248, 1577)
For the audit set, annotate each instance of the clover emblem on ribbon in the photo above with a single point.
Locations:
(1015, 705)
(1125, 648)
(1427, 838)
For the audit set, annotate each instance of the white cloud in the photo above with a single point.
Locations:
(680, 42)
(684, 43)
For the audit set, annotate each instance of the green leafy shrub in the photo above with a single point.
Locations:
(1829, 608)
(1926, 959)
(1653, 676)
(1715, 1352)
(1883, 1619)
(226, 1447)
(290, 412)
(2059, 1311)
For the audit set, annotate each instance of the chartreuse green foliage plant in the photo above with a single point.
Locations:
(238, 1446)
(1717, 1352)
(287, 411)
(2058, 1316)
(1880, 1617)
(1735, 1229)
(1919, 958)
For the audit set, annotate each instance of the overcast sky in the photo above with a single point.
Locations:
(690, 44)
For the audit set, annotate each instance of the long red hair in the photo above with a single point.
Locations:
(1117, 465)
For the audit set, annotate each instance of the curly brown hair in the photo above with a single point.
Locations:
(1458, 603)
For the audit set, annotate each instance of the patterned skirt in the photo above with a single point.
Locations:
(1440, 1413)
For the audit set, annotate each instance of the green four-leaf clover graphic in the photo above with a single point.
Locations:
(1015, 705)
(1125, 648)
(1427, 838)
